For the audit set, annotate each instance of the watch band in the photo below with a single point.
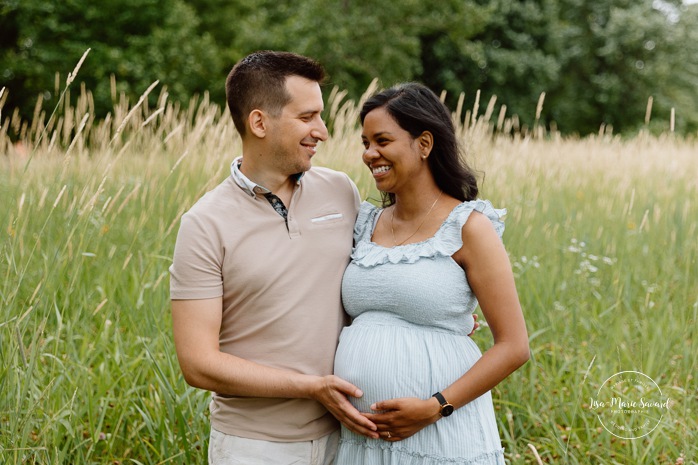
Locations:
(440, 397)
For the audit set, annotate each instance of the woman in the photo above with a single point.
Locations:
(420, 266)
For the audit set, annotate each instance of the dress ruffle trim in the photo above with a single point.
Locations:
(407, 457)
(447, 240)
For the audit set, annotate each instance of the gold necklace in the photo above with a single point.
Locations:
(392, 217)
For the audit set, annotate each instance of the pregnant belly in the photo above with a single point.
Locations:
(387, 362)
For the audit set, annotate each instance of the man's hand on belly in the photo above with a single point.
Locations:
(332, 391)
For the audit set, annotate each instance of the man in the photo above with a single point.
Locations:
(256, 277)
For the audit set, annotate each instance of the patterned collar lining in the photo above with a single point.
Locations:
(250, 187)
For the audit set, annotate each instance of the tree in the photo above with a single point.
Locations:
(616, 54)
(598, 61)
(511, 56)
(354, 40)
(137, 41)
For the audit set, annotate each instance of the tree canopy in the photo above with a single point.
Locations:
(598, 61)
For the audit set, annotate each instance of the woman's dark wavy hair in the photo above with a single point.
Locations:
(417, 109)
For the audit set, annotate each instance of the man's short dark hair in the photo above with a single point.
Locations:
(258, 81)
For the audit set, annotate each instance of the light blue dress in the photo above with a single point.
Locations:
(412, 308)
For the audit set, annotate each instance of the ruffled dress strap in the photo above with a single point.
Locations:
(447, 240)
(366, 218)
(450, 234)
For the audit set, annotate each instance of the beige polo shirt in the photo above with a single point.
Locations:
(280, 285)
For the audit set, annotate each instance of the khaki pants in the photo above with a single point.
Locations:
(224, 449)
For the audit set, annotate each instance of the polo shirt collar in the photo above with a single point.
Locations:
(250, 187)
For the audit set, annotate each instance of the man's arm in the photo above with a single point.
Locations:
(196, 326)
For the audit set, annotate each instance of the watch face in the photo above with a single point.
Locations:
(446, 410)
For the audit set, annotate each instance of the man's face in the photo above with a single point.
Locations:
(295, 133)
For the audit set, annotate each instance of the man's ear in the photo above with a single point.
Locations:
(257, 121)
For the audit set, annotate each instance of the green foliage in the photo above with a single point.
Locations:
(616, 55)
(512, 57)
(136, 41)
(354, 40)
(597, 61)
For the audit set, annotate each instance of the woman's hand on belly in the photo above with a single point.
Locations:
(403, 417)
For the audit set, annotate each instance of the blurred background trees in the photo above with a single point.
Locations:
(598, 61)
(137, 41)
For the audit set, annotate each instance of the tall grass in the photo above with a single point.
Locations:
(601, 232)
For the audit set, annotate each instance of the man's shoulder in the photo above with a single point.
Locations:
(327, 176)
(222, 196)
(322, 172)
(334, 186)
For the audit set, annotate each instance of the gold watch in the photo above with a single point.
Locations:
(446, 408)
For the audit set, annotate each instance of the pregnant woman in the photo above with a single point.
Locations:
(420, 266)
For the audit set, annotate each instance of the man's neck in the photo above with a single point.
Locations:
(279, 184)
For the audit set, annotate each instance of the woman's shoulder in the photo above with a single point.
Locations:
(449, 238)
(461, 213)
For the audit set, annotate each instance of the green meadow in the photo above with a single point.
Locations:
(601, 232)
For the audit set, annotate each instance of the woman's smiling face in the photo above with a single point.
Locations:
(391, 153)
